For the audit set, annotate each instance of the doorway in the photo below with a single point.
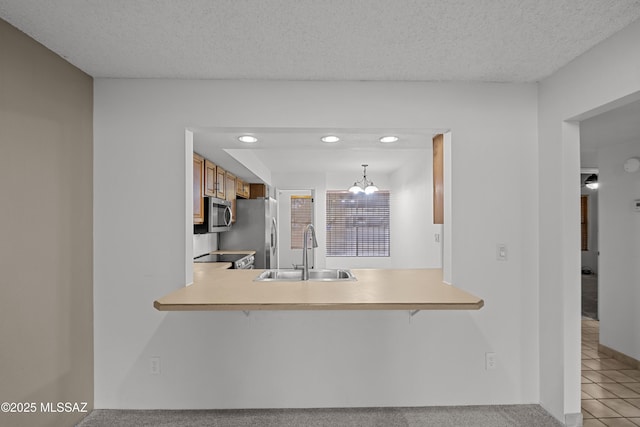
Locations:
(608, 141)
(589, 242)
(295, 212)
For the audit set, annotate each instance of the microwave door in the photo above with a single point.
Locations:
(219, 215)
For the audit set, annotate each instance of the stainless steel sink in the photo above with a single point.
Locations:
(291, 275)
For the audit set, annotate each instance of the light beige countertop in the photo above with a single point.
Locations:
(217, 265)
(374, 289)
(224, 265)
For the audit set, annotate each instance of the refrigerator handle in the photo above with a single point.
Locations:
(274, 234)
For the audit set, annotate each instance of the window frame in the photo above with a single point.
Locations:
(362, 230)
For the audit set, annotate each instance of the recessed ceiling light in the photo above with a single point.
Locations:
(330, 138)
(248, 139)
(388, 139)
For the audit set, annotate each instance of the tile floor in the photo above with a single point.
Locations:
(610, 389)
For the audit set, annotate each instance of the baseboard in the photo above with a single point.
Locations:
(621, 357)
(573, 420)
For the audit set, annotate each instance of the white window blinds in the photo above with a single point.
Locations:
(358, 224)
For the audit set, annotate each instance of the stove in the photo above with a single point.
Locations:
(238, 261)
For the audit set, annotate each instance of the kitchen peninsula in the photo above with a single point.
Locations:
(374, 289)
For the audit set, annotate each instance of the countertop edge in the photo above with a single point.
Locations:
(309, 306)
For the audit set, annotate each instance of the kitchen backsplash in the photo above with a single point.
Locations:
(204, 243)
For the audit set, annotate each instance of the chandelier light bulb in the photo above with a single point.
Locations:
(370, 189)
(364, 185)
(592, 181)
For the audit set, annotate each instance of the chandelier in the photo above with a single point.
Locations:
(592, 181)
(364, 185)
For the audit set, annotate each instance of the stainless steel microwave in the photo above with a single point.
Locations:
(217, 215)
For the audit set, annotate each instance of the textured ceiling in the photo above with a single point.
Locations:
(462, 40)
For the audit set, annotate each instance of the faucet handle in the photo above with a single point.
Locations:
(297, 266)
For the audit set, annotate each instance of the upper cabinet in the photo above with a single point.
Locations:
(257, 191)
(438, 179)
(242, 189)
(209, 179)
(198, 184)
(230, 185)
(220, 183)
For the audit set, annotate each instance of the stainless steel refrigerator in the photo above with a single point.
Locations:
(255, 229)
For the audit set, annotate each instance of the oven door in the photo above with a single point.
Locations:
(245, 263)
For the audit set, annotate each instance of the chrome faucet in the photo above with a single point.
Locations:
(305, 256)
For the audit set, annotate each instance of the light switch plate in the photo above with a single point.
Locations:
(490, 361)
(501, 252)
(154, 365)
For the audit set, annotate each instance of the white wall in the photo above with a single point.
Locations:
(268, 359)
(619, 280)
(604, 77)
(447, 249)
(413, 243)
(204, 243)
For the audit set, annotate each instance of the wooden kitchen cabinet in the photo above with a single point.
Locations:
(257, 191)
(198, 184)
(242, 188)
(239, 184)
(209, 178)
(220, 183)
(438, 179)
(230, 185)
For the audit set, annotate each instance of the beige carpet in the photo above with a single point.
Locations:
(456, 416)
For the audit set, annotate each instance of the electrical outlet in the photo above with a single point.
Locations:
(490, 361)
(154, 366)
(437, 237)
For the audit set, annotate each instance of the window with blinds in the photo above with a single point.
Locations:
(301, 216)
(358, 224)
(584, 222)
